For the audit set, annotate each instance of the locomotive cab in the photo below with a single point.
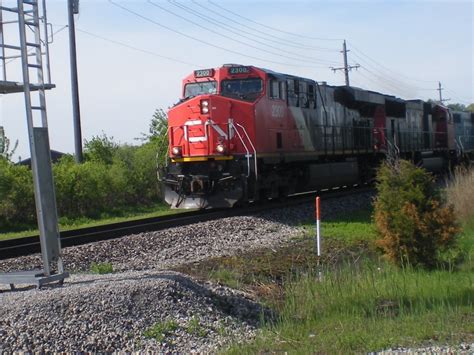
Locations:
(211, 138)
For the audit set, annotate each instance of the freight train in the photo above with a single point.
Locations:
(242, 133)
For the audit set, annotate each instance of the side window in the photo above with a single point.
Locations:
(304, 94)
(282, 90)
(274, 89)
(311, 96)
(293, 90)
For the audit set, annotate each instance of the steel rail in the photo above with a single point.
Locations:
(22, 246)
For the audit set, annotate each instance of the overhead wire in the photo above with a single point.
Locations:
(313, 60)
(390, 78)
(386, 68)
(304, 46)
(200, 40)
(273, 28)
(239, 31)
(125, 45)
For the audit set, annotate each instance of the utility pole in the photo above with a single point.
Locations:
(73, 8)
(346, 67)
(440, 89)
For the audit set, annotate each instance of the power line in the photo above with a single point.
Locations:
(388, 69)
(390, 78)
(200, 40)
(239, 31)
(304, 46)
(314, 60)
(138, 49)
(273, 28)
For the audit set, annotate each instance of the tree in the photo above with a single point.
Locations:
(100, 149)
(457, 107)
(158, 126)
(5, 151)
(413, 225)
(470, 107)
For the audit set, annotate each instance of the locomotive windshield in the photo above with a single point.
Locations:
(195, 89)
(245, 89)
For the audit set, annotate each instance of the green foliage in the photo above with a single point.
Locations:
(5, 151)
(194, 327)
(102, 268)
(160, 330)
(100, 149)
(457, 107)
(112, 178)
(17, 204)
(158, 125)
(470, 107)
(413, 225)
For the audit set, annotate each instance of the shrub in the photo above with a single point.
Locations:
(413, 225)
(17, 202)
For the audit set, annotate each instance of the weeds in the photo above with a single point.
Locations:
(460, 193)
(102, 268)
(194, 327)
(160, 330)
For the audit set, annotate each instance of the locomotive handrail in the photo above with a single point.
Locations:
(231, 123)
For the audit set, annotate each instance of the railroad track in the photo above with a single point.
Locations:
(13, 248)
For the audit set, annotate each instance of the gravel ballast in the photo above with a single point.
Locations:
(111, 312)
(175, 246)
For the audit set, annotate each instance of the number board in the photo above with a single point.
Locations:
(203, 73)
(239, 70)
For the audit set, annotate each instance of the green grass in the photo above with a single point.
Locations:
(351, 228)
(160, 330)
(102, 268)
(194, 327)
(66, 224)
(362, 304)
(367, 309)
(466, 242)
(367, 304)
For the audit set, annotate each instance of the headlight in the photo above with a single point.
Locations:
(220, 148)
(204, 106)
(176, 150)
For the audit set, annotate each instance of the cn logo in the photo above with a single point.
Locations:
(204, 137)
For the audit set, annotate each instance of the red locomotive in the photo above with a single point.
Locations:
(242, 133)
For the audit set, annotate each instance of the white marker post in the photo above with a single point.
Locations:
(318, 235)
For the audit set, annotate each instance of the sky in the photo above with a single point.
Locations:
(133, 55)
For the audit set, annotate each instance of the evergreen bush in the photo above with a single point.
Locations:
(413, 225)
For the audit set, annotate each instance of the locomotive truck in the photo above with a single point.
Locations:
(242, 133)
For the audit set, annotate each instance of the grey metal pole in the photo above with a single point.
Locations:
(74, 85)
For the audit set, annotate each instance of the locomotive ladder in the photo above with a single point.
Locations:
(29, 25)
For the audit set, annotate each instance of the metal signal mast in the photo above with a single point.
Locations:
(32, 48)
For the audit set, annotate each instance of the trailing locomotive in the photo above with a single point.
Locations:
(242, 133)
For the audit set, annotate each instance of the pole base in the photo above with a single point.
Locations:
(34, 277)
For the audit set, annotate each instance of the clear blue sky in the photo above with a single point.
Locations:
(404, 48)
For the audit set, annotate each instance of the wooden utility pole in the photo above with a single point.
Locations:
(346, 66)
(440, 89)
